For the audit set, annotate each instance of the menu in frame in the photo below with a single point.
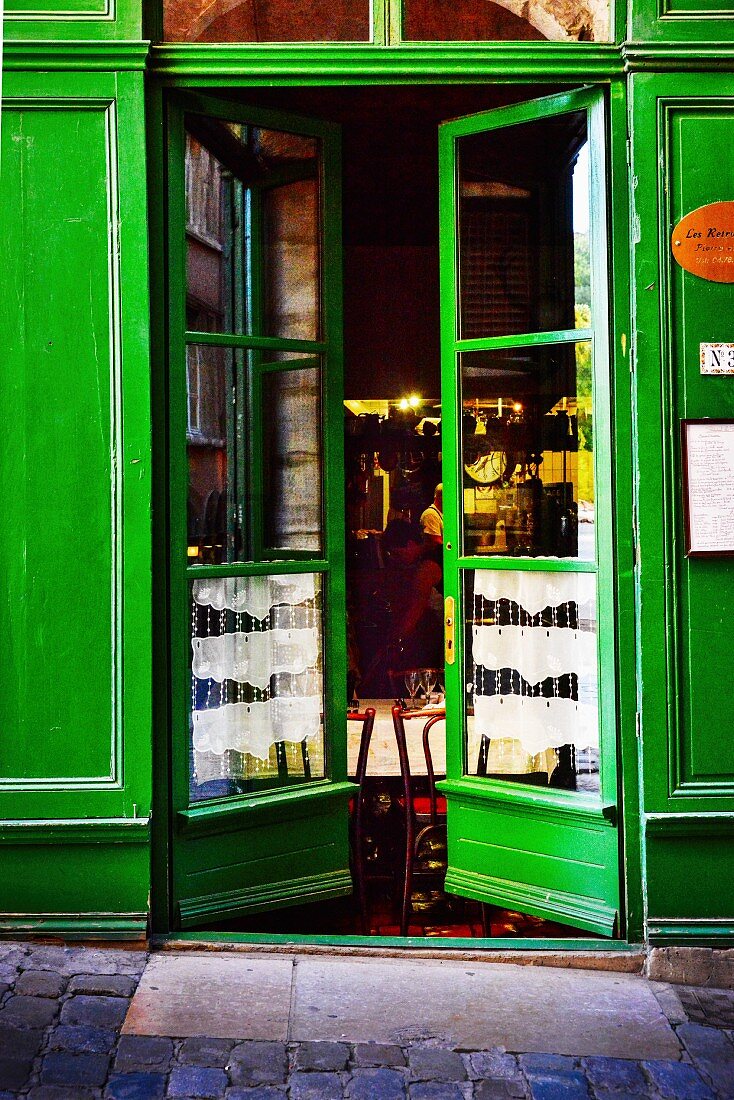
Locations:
(708, 487)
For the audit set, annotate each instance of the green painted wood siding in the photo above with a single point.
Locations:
(75, 726)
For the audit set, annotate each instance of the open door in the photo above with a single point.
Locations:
(531, 764)
(259, 790)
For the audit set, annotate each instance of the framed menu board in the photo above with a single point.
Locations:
(707, 448)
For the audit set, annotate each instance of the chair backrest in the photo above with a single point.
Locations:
(399, 717)
(367, 718)
(429, 764)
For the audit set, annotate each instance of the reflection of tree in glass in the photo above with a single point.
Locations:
(584, 408)
(582, 270)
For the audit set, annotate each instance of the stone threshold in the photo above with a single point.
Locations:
(625, 961)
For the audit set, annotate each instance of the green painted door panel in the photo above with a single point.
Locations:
(538, 849)
(300, 857)
(75, 680)
(680, 127)
(551, 866)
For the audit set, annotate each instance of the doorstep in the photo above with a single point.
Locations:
(447, 1001)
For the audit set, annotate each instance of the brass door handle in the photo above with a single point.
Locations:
(449, 618)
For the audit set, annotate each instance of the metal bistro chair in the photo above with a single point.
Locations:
(430, 812)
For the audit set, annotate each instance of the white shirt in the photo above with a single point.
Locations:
(432, 522)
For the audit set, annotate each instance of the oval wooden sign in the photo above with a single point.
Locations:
(703, 242)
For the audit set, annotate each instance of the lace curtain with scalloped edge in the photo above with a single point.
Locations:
(534, 650)
(256, 671)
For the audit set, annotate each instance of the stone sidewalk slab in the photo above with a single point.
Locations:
(476, 1007)
(221, 996)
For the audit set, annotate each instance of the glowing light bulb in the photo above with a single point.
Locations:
(517, 407)
(403, 405)
(414, 401)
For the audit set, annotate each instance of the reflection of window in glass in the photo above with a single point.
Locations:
(524, 228)
(505, 20)
(257, 695)
(527, 442)
(267, 21)
(205, 391)
(213, 211)
(252, 193)
(531, 675)
(215, 453)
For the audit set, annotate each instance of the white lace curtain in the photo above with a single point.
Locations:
(534, 649)
(255, 664)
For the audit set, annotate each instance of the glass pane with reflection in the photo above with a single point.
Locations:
(531, 678)
(215, 213)
(527, 448)
(253, 229)
(257, 688)
(291, 260)
(216, 448)
(267, 21)
(470, 21)
(524, 217)
(291, 418)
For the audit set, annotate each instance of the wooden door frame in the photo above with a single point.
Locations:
(330, 66)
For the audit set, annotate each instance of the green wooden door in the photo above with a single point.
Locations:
(531, 764)
(259, 792)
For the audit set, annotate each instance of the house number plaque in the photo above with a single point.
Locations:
(707, 451)
(703, 242)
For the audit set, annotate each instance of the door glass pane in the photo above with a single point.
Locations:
(252, 230)
(257, 691)
(267, 21)
(524, 228)
(216, 448)
(527, 445)
(291, 418)
(531, 678)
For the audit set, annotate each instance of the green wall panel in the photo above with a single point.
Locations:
(676, 911)
(681, 125)
(76, 21)
(693, 21)
(704, 591)
(75, 682)
(57, 474)
(51, 882)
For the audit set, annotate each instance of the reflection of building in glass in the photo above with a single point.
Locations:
(349, 21)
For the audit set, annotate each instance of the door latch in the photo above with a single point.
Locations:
(449, 630)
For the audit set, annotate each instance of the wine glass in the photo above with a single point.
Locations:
(412, 683)
(427, 681)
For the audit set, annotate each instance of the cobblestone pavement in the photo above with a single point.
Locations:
(61, 1010)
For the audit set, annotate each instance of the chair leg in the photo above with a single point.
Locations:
(360, 875)
(408, 879)
(399, 728)
(358, 858)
